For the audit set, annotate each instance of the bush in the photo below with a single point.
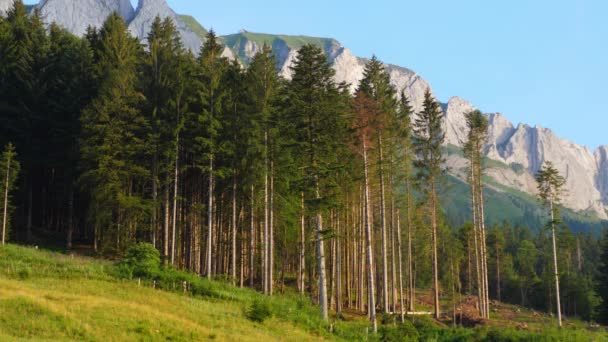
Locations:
(402, 332)
(141, 260)
(259, 311)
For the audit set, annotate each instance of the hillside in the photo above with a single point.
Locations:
(53, 296)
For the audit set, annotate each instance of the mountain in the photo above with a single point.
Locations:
(520, 151)
(148, 10)
(514, 152)
(76, 16)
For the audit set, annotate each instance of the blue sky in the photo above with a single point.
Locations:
(539, 62)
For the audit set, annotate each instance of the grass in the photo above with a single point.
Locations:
(52, 296)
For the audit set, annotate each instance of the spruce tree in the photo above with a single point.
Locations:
(112, 139)
(428, 142)
(208, 125)
(315, 116)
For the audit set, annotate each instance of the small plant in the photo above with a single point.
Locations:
(259, 311)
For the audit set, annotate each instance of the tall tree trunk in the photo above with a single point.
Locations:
(210, 220)
(30, 204)
(166, 230)
(400, 263)
(252, 240)
(410, 253)
(175, 192)
(266, 219)
(385, 302)
(70, 232)
(482, 226)
(557, 295)
(321, 258)
(435, 257)
(370, 253)
(271, 233)
(233, 253)
(302, 263)
(498, 282)
(5, 209)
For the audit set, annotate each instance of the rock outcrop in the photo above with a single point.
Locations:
(148, 10)
(76, 16)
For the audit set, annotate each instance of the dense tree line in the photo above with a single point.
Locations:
(233, 172)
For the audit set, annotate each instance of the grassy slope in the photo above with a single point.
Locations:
(52, 296)
(194, 26)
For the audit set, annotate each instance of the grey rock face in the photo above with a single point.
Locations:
(76, 16)
(5, 5)
(148, 10)
(526, 148)
(455, 121)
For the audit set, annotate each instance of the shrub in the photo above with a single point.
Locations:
(259, 311)
(141, 260)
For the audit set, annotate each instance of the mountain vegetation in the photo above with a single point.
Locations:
(201, 167)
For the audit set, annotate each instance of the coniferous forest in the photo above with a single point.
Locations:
(233, 173)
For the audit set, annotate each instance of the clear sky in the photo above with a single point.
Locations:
(541, 62)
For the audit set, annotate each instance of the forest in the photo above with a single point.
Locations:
(233, 173)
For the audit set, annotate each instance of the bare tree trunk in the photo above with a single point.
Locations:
(29, 213)
(166, 230)
(385, 302)
(410, 255)
(557, 295)
(210, 220)
(70, 232)
(252, 240)
(233, 254)
(482, 226)
(435, 257)
(175, 192)
(338, 269)
(370, 255)
(302, 267)
(321, 259)
(266, 219)
(271, 233)
(400, 261)
(498, 282)
(5, 209)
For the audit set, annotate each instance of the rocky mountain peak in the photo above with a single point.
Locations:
(76, 16)
(148, 10)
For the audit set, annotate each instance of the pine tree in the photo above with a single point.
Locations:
(9, 170)
(428, 142)
(550, 189)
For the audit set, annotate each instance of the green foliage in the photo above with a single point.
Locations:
(258, 311)
(602, 281)
(141, 260)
